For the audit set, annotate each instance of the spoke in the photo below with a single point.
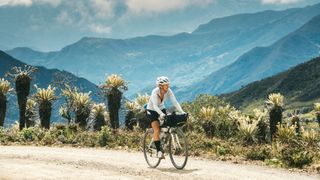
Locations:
(150, 144)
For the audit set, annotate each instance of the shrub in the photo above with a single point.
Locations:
(4, 90)
(275, 104)
(207, 115)
(134, 139)
(3, 136)
(62, 138)
(142, 120)
(113, 89)
(22, 78)
(217, 121)
(48, 139)
(104, 136)
(58, 131)
(71, 132)
(28, 134)
(86, 138)
(226, 126)
(98, 116)
(310, 137)
(259, 153)
(223, 150)
(247, 130)
(39, 133)
(262, 126)
(130, 120)
(13, 134)
(295, 155)
(285, 133)
(193, 125)
(194, 109)
(45, 98)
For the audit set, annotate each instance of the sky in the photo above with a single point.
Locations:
(50, 25)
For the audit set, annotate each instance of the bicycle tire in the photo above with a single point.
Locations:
(173, 158)
(148, 151)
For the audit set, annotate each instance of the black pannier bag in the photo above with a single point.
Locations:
(176, 120)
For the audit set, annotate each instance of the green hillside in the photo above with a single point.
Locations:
(300, 86)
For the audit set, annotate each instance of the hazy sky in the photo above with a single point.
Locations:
(52, 24)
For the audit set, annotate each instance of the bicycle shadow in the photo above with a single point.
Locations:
(177, 171)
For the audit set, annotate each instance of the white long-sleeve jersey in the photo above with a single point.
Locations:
(155, 103)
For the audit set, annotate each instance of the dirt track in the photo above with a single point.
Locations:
(26, 162)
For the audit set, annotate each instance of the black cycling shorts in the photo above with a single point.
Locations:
(153, 115)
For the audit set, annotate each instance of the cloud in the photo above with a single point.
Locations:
(101, 29)
(15, 2)
(99, 16)
(28, 2)
(64, 18)
(279, 1)
(51, 2)
(160, 6)
(103, 8)
(111, 8)
(87, 15)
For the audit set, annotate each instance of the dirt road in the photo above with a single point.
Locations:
(27, 162)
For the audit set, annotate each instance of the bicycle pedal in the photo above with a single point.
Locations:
(162, 157)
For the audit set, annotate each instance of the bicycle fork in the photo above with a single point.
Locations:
(175, 141)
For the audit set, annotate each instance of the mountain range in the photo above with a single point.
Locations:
(49, 25)
(42, 78)
(186, 57)
(299, 85)
(260, 62)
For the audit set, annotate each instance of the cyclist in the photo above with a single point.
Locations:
(156, 109)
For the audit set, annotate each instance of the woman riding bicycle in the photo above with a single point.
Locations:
(156, 108)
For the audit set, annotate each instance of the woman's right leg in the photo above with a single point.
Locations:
(156, 130)
(155, 124)
(156, 134)
(156, 138)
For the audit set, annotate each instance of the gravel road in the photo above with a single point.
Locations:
(30, 162)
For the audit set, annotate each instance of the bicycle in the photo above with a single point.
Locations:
(173, 141)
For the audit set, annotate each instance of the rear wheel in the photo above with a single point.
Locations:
(178, 149)
(149, 149)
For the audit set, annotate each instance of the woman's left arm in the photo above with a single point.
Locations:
(174, 101)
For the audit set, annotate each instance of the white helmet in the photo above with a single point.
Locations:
(162, 80)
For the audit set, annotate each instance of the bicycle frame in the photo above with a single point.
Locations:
(175, 141)
(165, 141)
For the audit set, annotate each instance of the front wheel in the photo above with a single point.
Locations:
(178, 149)
(149, 149)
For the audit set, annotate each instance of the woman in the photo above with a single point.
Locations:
(156, 109)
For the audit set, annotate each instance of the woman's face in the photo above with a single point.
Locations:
(165, 87)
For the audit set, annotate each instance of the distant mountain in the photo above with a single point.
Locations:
(148, 91)
(4, 48)
(299, 85)
(37, 57)
(42, 77)
(51, 24)
(261, 62)
(185, 58)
